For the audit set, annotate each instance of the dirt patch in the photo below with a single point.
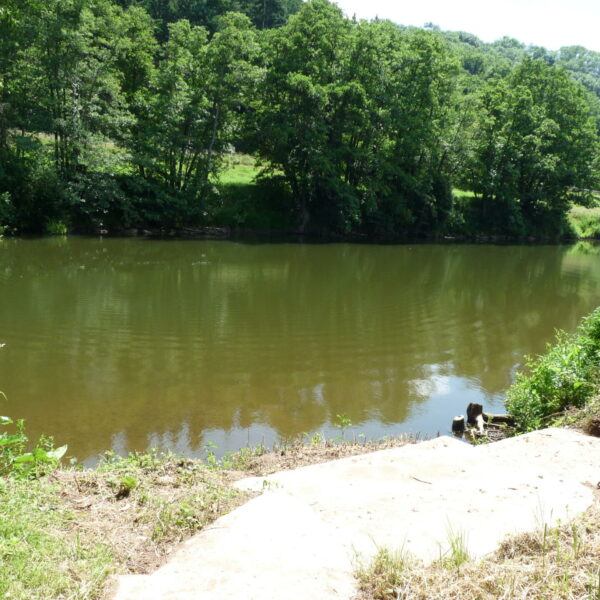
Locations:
(141, 512)
(300, 453)
(586, 419)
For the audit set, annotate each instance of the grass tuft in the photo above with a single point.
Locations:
(458, 553)
(385, 576)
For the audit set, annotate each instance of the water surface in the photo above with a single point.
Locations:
(126, 344)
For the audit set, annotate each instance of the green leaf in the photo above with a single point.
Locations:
(10, 440)
(25, 458)
(39, 454)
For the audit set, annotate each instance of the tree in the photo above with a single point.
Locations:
(265, 14)
(191, 112)
(353, 115)
(67, 83)
(534, 149)
(304, 62)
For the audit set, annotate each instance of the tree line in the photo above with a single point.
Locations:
(123, 113)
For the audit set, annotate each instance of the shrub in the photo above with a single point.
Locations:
(566, 376)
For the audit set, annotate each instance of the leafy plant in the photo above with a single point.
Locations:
(12, 444)
(56, 228)
(211, 457)
(124, 486)
(15, 461)
(343, 423)
(565, 376)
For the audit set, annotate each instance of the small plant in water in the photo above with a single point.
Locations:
(342, 423)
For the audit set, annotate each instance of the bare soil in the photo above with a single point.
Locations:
(300, 453)
(167, 503)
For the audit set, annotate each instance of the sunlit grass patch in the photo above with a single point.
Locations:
(463, 193)
(239, 169)
(238, 175)
(585, 222)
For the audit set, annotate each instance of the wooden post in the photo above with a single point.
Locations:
(458, 424)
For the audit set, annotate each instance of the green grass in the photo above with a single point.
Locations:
(240, 201)
(585, 222)
(460, 194)
(239, 169)
(41, 554)
(64, 532)
(238, 174)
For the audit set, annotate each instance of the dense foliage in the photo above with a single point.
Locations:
(122, 113)
(566, 376)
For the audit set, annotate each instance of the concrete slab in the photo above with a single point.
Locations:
(564, 453)
(300, 538)
(417, 497)
(274, 546)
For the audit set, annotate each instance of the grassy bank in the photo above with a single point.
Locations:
(241, 200)
(63, 535)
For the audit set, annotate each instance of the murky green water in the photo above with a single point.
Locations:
(128, 344)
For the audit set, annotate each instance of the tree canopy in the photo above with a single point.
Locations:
(122, 113)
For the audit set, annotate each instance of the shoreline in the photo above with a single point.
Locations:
(131, 513)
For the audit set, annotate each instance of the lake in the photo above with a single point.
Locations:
(127, 344)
